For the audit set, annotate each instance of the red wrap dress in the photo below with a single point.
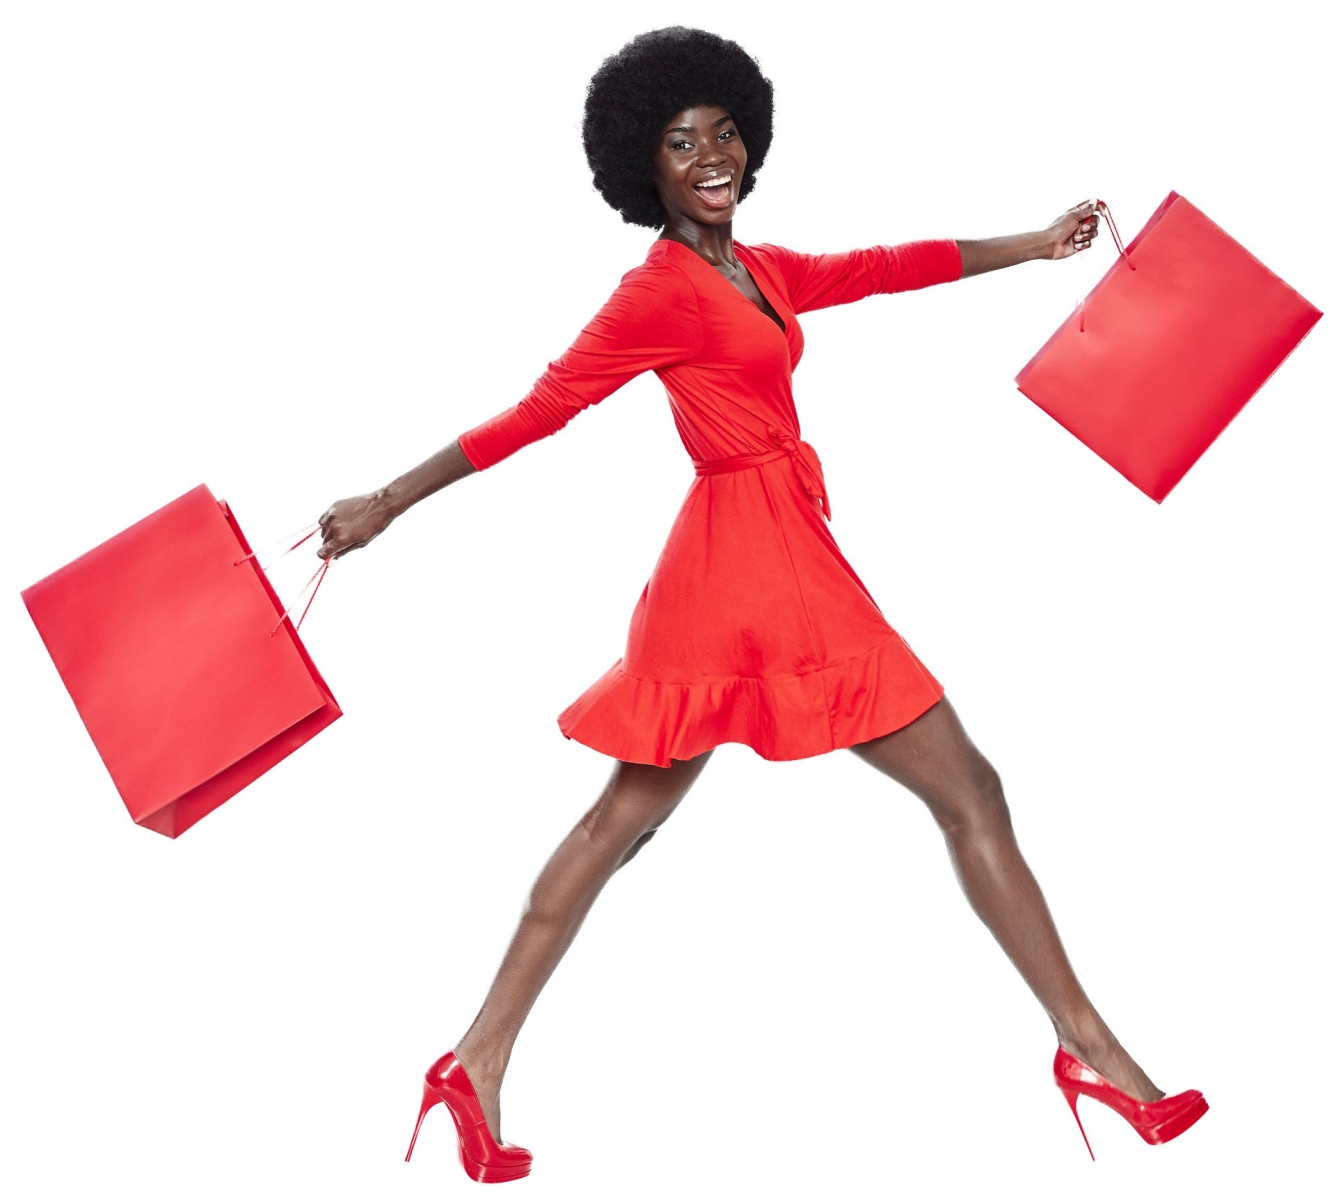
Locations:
(752, 628)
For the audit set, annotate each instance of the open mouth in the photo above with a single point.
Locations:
(717, 191)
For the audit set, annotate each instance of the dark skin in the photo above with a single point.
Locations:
(932, 757)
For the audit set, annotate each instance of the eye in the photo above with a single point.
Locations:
(680, 146)
(728, 133)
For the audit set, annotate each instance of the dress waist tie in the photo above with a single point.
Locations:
(800, 453)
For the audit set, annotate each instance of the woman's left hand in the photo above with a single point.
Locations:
(1071, 232)
(1074, 230)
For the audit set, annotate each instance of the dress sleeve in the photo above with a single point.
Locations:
(651, 321)
(820, 280)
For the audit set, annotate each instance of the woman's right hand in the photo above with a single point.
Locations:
(350, 524)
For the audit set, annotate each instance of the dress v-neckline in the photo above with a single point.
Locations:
(777, 320)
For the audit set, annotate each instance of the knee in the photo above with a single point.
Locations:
(975, 805)
(637, 800)
(636, 847)
(624, 820)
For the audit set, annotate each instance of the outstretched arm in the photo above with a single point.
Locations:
(1070, 233)
(350, 524)
(650, 322)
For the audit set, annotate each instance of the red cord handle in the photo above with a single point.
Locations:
(313, 530)
(1119, 245)
(1117, 238)
(318, 578)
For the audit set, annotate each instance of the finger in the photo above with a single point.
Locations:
(337, 549)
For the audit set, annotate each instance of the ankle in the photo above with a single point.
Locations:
(481, 1063)
(1087, 1038)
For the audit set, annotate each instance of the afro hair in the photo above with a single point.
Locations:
(638, 90)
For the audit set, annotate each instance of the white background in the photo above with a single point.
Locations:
(291, 249)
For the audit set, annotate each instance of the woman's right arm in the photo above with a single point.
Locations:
(350, 524)
(650, 321)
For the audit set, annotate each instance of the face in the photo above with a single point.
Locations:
(698, 166)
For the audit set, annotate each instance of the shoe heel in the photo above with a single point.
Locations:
(429, 1100)
(1071, 1099)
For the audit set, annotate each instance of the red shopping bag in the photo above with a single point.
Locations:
(1168, 347)
(168, 638)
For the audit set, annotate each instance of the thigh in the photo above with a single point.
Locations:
(933, 757)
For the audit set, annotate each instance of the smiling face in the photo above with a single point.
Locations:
(698, 166)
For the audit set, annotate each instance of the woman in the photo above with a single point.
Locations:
(753, 627)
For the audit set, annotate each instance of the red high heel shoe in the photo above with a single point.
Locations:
(485, 1161)
(1157, 1122)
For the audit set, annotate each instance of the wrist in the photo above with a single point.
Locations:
(1043, 244)
(393, 499)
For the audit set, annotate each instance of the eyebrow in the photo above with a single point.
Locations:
(692, 129)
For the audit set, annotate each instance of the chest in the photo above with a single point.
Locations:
(748, 321)
(742, 280)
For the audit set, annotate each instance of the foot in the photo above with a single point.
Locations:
(1105, 1054)
(486, 1080)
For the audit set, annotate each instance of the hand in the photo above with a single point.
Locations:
(350, 524)
(1074, 230)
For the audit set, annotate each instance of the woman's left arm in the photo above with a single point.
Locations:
(1070, 233)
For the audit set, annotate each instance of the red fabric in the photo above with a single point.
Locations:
(753, 627)
(1168, 347)
(164, 637)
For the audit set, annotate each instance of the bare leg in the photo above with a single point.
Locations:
(934, 758)
(637, 800)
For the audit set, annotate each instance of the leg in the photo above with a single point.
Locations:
(934, 758)
(636, 801)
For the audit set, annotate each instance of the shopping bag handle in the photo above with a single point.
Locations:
(1118, 244)
(307, 533)
(318, 578)
(1117, 238)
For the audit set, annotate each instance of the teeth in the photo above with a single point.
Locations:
(709, 183)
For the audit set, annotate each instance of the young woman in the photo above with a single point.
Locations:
(753, 627)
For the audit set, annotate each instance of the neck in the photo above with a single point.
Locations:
(714, 243)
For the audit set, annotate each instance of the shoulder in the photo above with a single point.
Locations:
(778, 261)
(654, 304)
(662, 271)
(767, 250)
(658, 286)
(770, 255)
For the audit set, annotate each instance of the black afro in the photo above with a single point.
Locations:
(638, 90)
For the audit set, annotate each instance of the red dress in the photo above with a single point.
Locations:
(753, 628)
